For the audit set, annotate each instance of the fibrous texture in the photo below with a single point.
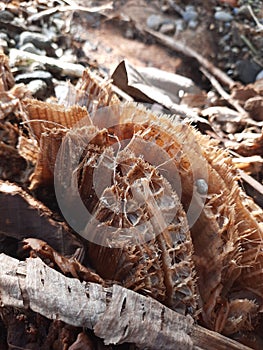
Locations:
(161, 207)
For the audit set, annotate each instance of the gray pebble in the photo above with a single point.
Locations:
(129, 33)
(190, 15)
(258, 42)
(68, 56)
(59, 52)
(189, 8)
(34, 66)
(29, 47)
(4, 36)
(235, 49)
(38, 74)
(12, 43)
(180, 25)
(201, 186)
(59, 23)
(38, 89)
(167, 28)
(31, 10)
(193, 24)
(61, 91)
(4, 45)
(247, 71)
(223, 16)
(259, 75)
(6, 16)
(154, 22)
(37, 39)
(227, 48)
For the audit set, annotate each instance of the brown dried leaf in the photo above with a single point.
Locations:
(11, 100)
(6, 77)
(28, 149)
(82, 342)
(11, 170)
(32, 219)
(254, 106)
(68, 266)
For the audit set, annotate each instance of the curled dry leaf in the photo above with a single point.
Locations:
(251, 147)
(251, 97)
(166, 216)
(32, 219)
(251, 165)
(254, 106)
(7, 80)
(82, 342)
(10, 100)
(69, 266)
(10, 94)
(11, 170)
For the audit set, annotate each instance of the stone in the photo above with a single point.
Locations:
(12, 43)
(68, 56)
(35, 66)
(202, 186)
(61, 91)
(37, 39)
(193, 24)
(190, 14)
(167, 28)
(223, 16)
(4, 36)
(129, 33)
(154, 22)
(38, 89)
(3, 45)
(6, 16)
(29, 47)
(59, 23)
(259, 75)
(31, 10)
(37, 74)
(179, 25)
(59, 52)
(247, 71)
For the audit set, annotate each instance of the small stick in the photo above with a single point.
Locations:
(176, 7)
(259, 25)
(249, 44)
(39, 15)
(187, 51)
(223, 93)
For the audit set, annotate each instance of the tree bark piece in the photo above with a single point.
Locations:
(116, 314)
(22, 216)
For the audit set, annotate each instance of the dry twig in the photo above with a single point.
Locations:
(186, 50)
(116, 314)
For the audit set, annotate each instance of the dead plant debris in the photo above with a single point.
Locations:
(131, 175)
